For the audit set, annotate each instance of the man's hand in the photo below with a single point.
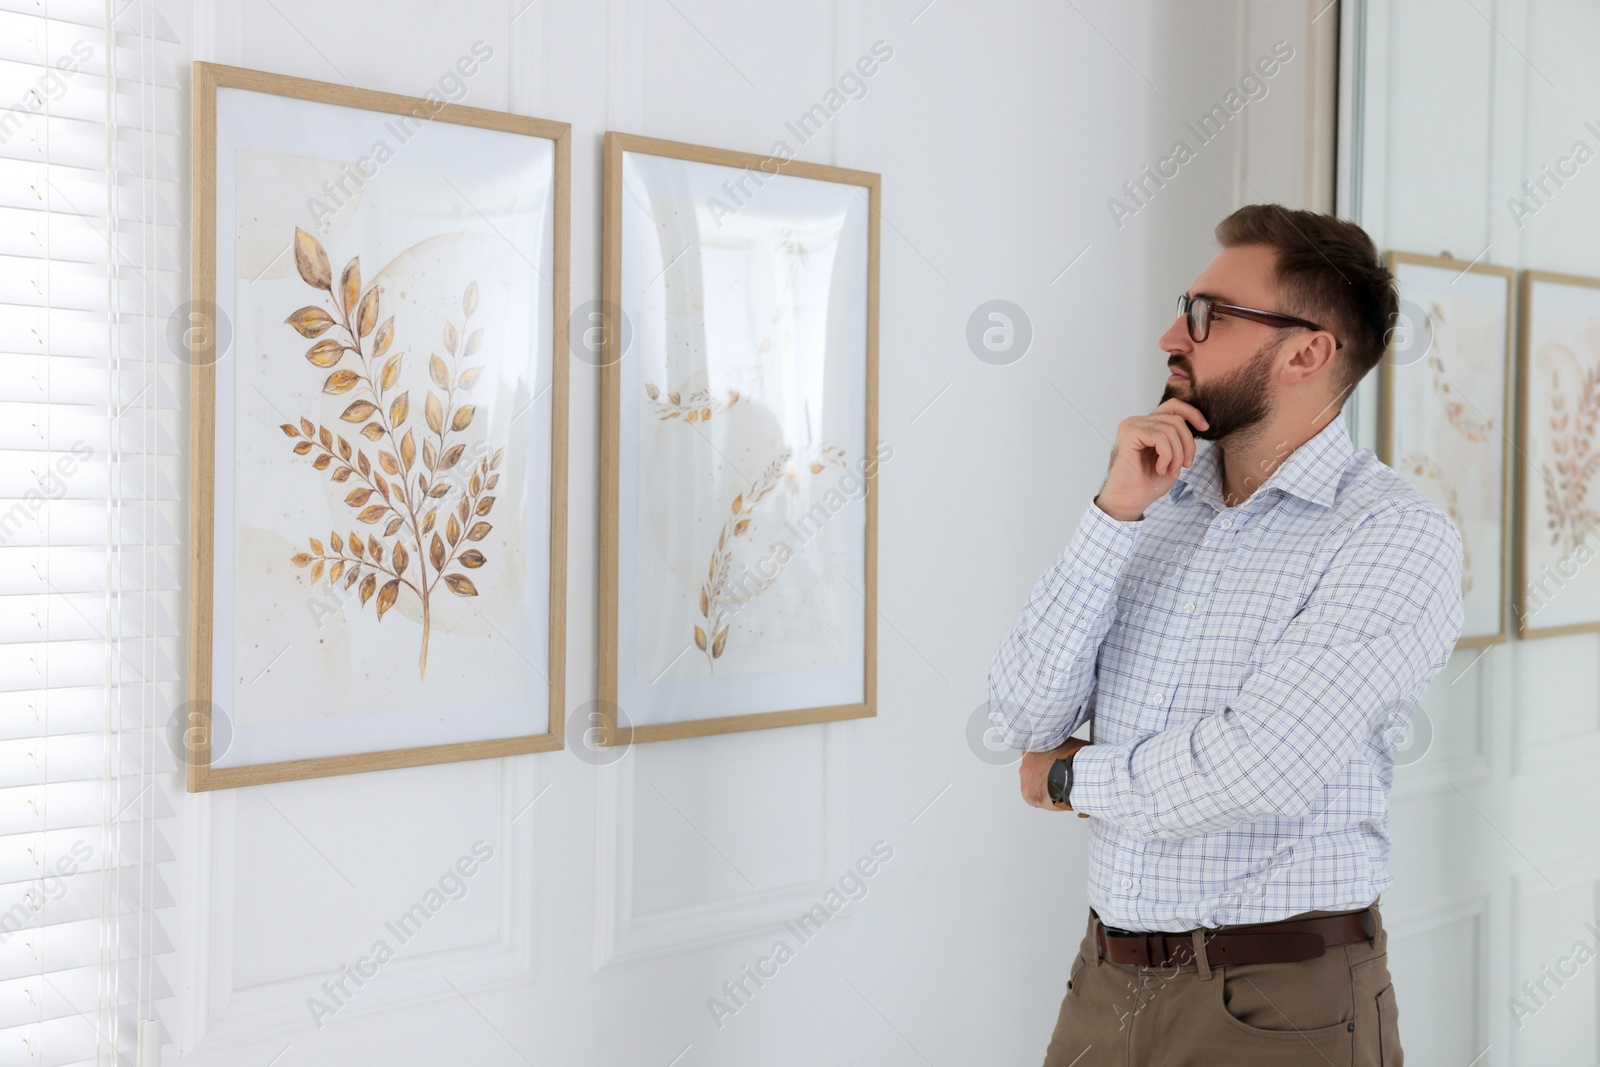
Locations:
(1036, 774)
(1150, 452)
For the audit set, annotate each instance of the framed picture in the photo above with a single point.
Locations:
(1558, 500)
(1444, 417)
(379, 428)
(739, 439)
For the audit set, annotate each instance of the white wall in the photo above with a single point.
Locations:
(1001, 131)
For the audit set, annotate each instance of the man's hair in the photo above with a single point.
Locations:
(1329, 272)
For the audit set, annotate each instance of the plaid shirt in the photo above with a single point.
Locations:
(1249, 671)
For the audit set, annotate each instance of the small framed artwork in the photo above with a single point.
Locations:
(1558, 498)
(739, 442)
(378, 495)
(1445, 404)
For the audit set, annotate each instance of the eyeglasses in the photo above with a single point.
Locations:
(1200, 310)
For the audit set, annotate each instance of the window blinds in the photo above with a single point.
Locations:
(90, 608)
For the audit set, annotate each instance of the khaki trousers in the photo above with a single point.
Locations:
(1336, 1009)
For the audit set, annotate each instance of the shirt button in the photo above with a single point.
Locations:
(1189, 608)
(1127, 883)
(1226, 524)
(1157, 698)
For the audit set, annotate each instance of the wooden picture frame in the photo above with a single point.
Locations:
(693, 209)
(1570, 603)
(273, 135)
(1446, 394)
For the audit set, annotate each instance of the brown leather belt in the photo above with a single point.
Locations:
(1287, 941)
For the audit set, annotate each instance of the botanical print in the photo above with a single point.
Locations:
(1447, 427)
(1560, 520)
(384, 436)
(408, 507)
(742, 574)
(730, 584)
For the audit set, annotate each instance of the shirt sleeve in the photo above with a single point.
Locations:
(1379, 624)
(1043, 672)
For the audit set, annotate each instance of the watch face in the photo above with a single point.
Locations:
(1057, 779)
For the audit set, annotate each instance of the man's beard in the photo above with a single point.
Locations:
(1234, 404)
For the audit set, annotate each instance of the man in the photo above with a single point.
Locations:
(1246, 626)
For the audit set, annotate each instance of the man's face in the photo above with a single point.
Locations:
(1228, 376)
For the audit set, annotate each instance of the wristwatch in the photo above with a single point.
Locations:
(1059, 783)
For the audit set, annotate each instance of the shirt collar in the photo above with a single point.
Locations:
(1311, 472)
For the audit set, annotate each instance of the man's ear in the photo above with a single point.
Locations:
(1312, 356)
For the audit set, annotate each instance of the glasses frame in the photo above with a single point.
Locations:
(1216, 309)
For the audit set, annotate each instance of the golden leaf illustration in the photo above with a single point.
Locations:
(380, 343)
(367, 313)
(719, 644)
(651, 391)
(311, 260)
(460, 585)
(350, 285)
(310, 321)
(399, 506)
(300, 559)
(388, 595)
(358, 411)
(325, 353)
(699, 639)
(341, 381)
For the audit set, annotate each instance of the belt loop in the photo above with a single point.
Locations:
(1099, 940)
(1200, 955)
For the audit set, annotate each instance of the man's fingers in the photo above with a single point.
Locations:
(1187, 411)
